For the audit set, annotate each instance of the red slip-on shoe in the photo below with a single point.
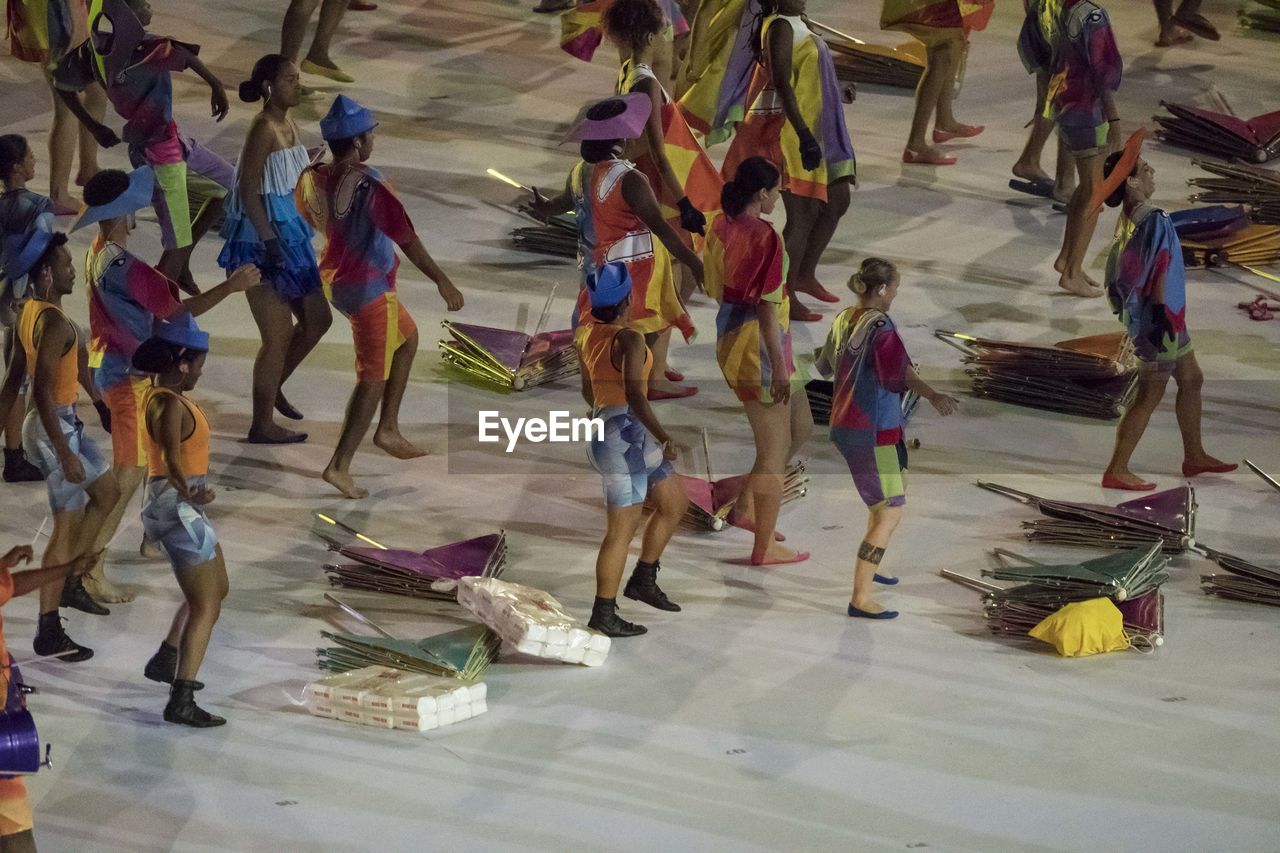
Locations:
(967, 133)
(1189, 470)
(1110, 482)
(909, 156)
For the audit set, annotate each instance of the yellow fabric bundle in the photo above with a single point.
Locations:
(1084, 628)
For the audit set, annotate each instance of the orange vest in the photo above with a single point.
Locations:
(67, 376)
(194, 450)
(595, 349)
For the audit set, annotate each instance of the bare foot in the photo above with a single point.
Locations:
(149, 550)
(1062, 194)
(397, 445)
(342, 481)
(779, 552)
(1031, 172)
(800, 313)
(103, 590)
(1172, 36)
(1123, 478)
(1081, 286)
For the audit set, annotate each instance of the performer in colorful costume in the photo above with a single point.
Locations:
(363, 223)
(619, 219)
(177, 435)
(79, 495)
(1070, 42)
(796, 121)
(582, 29)
(943, 26)
(263, 227)
(871, 370)
(1147, 289)
(126, 296)
(718, 72)
(634, 455)
(679, 171)
(134, 67)
(745, 268)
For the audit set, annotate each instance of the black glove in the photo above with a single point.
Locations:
(691, 219)
(1161, 327)
(104, 414)
(810, 152)
(274, 253)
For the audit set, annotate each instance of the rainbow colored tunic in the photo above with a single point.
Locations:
(43, 31)
(1072, 42)
(719, 68)
(1145, 269)
(766, 131)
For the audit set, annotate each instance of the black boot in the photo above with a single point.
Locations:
(75, 595)
(182, 707)
(643, 586)
(51, 639)
(18, 469)
(605, 619)
(163, 666)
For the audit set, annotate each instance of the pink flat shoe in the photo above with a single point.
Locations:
(817, 291)
(948, 135)
(1189, 470)
(909, 156)
(673, 375)
(687, 391)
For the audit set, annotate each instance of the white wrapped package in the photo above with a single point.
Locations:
(532, 621)
(389, 698)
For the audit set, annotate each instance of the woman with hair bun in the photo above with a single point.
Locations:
(871, 371)
(1146, 286)
(173, 515)
(745, 265)
(263, 227)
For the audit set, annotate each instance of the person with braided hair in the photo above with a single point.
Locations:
(871, 371)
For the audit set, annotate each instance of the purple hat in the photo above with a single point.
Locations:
(621, 117)
(346, 119)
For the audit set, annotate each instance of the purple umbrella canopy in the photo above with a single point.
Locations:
(432, 573)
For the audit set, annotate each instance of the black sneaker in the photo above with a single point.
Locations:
(643, 587)
(74, 595)
(18, 469)
(163, 666)
(605, 619)
(51, 639)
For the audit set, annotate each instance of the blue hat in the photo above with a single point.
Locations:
(608, 285)
(135, 197)
(21, 251)
(185, 334)
(346, 119)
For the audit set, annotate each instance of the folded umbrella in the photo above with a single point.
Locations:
(1261, 15)
(1243, 581)
(1255, 140)
(1255, 187)
(433, 573)
(511, 359)
(859, 62)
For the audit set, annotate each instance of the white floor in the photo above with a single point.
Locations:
(760, 717)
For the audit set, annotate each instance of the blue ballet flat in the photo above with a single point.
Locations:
(883, 614)
(879, 578)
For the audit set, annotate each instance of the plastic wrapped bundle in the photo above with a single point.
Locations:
(532, 621)
(1167, 517)
(433, 573)
(1092, 377)
(558, 237)
(1243, 581)
(1254, 140)
(388, 698)
(1261, 15)
(819, 392)
(1256, 187)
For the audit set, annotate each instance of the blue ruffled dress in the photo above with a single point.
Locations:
(299, 276)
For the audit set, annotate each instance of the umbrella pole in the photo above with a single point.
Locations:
(1004, 553)
(546, 311)
(357, 614)
(1008, 492)
(1270, 481)
(356, 533)
(972, 583)
(837, 33)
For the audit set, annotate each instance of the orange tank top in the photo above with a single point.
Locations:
(608, 388)
(67, 375)
(194, 450)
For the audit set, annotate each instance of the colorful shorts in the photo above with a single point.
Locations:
(879, 471)
(128, 439)
(629, 459)
(1163, 360)
(1084, 140)
(63, 496)
(181, 529)
(378, 329)
(175, 161)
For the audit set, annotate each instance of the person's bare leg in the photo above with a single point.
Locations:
(938, 74)
(176, 263)
(670, 503)
(294, 28)
(178, 625)
(360, 411)
(1029, 163)
(771, 430)
(63, 135)
(1133, 423)
(204, 587)
(824, 228)
(95, 101)
(388, 436)
(1188, 406)
(951, 53)
(880, 527)
(801, 424)
(620, 529)
(331, 12)
(1079, 231)
(802, 214)
(1064, 178)
(314, 319)
(275, 326)
(128, 478)
(60, 550)
(1170, 33)
(660, 344)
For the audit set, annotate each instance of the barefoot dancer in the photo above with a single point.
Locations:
(943, 27)
(1071, 42)
(42, 32)
(263, 227)
(136, 74)
(177, 435)
(634, 456)
(126, 296)
(79, 495)
(871, 371)
(1176, 28)
(1029, 175)
(796, 121)
(22, 213)
(364, 222)
(635, 25)
(1147, 289)
(746, 265)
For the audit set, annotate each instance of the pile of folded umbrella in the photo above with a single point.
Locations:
(1255, 140)
(463, 654)
(1255, 187)
(388, 698)
(558, 237)
(1092, 377)
(532, 621)
(819, 392)
(433, 573)
(711, 502)
(859, 62)
(509, 359)
(1167, 517)
(1243, 581)
(1261, 15)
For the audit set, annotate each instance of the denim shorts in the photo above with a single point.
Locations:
(64, 496)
